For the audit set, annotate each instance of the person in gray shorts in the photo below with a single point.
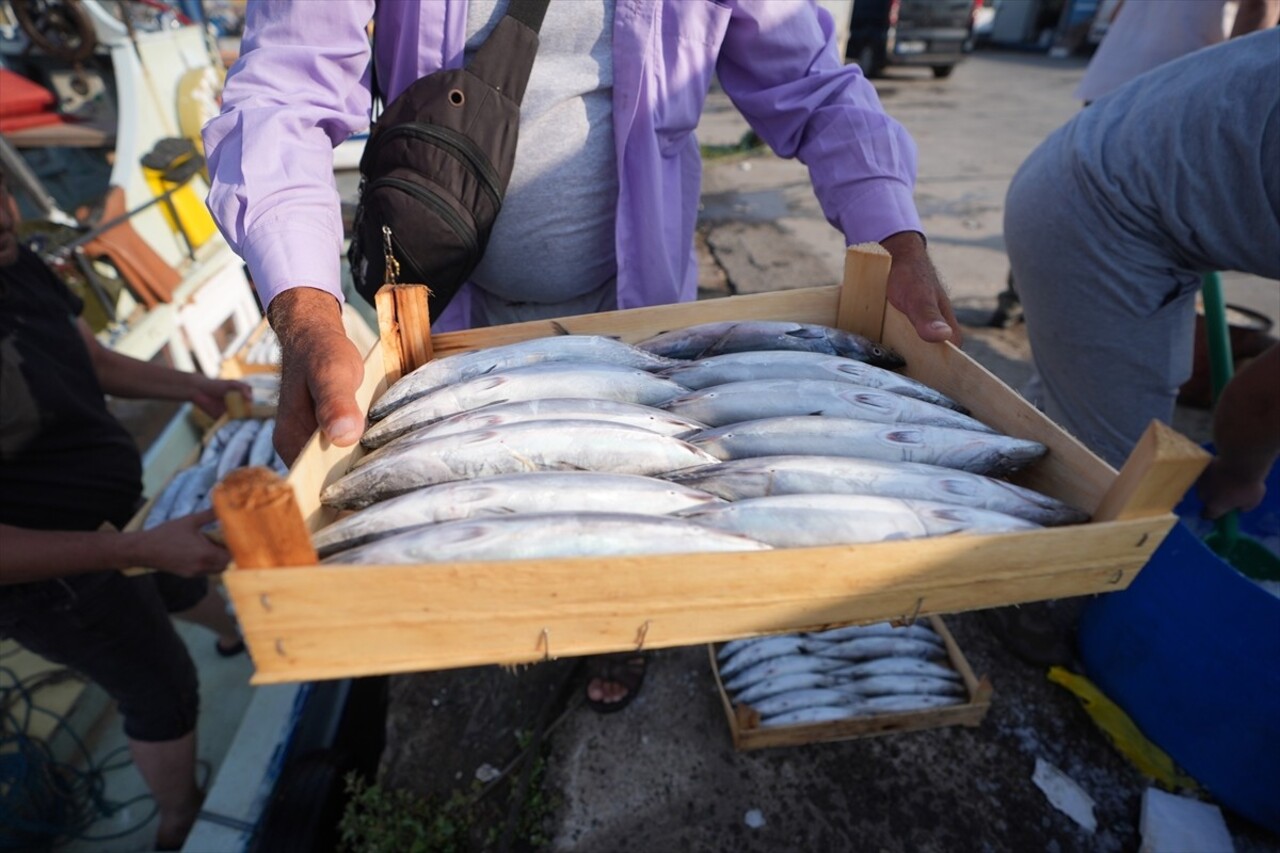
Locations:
(1110, 225)
(1112, 221)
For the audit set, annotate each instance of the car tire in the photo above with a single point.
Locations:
(941, 72)
(868, 59)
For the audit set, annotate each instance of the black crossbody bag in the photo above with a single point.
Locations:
(437, 164)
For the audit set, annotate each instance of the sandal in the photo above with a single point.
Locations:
(626, 669)
(228, 651)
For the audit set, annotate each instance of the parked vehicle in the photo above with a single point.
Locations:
(933, 33)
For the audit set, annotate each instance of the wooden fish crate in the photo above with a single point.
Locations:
(747, 733)
(305, 621)
(238, 365)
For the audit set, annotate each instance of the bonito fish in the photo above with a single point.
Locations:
(708, 339)
(966, 450)
(761, 476)
(547, 491)
(510, 449)
(544, 536)
(467, 365)
(735, 402)
(797, 364)
(896, 665)
(916, 631)
(801, 521)
(555, 408)
(557, 379)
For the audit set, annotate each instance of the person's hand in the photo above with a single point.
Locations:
(320, 370)
(210, 395)
(1224, 487)
(915, 289)
(179, 547)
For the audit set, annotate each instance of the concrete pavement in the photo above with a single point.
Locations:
(663, 775)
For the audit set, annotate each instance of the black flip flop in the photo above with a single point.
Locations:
(231, 652)
(626, 668)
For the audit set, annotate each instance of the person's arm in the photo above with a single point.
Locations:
(1254, 15)
(1246, 433)
(780, 67)
(176, 546)
(123, 376)
(298, 90)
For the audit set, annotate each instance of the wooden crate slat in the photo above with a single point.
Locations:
(348, 620)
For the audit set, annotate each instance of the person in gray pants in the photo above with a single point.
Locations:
(1111, 223)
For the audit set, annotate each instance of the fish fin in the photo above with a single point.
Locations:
(904, 436)
(559, 328)
(806, 333)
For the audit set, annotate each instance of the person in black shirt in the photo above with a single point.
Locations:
(70, 477)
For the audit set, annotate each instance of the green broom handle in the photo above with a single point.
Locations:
(1221, 365)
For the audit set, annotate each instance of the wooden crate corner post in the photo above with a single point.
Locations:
(863, 294)
(1162, 467)
(404, 327)
(261, 520)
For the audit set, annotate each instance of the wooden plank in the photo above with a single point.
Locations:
(261, 521)
(863, 294)
(1162, 467)
(404, 326)
(338, 621)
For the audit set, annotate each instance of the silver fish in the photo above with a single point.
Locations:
(813, 697)
(537, 381)
(865, 648)
(804, 521)
(757, 477)
(896, 666)
(899, 685)
(734, 646)
(545, 536)
(460, 367)
(907, 702)
(786, 683)
(966, 450)
(916, 631)
(510, 449)
(218, 441)
(796, 364)
(708, 339)
(237, 449)
(786, 665)
(554, 408)
(818, 714)
(162, 509)
(774, 647)
(261, 452)
(735, 402)
(547, 491)
(194, 490)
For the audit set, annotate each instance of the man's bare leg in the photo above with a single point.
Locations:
(211, 612)
(169, 769)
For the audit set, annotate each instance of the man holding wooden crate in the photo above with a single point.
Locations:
(67, 468)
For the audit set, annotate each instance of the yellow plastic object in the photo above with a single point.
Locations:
(1125, 736)
(191, 210)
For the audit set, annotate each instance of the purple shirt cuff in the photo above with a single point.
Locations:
(884, 208)
(280, 260)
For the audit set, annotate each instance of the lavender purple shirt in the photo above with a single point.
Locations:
(301, 86)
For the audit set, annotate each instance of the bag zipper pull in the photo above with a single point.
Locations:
(391, 264)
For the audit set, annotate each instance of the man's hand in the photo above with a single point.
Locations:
(1246, 433)
(320, 370)
(210, 395)
(179, 547)
(915, 289)
(1223, 488)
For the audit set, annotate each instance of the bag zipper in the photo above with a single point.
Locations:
(447, 213)
(460, 145)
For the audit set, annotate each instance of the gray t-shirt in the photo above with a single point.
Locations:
(552, 251)
(1206, 109)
